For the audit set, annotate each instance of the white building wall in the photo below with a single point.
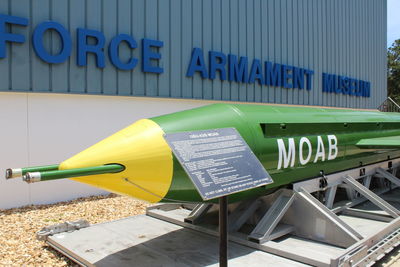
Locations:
(41, 129)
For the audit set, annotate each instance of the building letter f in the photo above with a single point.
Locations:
(10, 37)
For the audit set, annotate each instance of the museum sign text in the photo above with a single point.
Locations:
(211, 65)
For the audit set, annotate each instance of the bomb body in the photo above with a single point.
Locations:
(292, 143)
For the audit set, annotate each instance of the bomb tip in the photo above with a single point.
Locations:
(8, 173)
(31, 177)
(13, 173)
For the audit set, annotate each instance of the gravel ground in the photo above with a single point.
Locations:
(19, 226)
(19, 247)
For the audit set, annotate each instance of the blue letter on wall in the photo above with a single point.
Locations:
(287, 76)
(309, 74)
(367, 89)
(113, 52)
(273, 76)
(148, 55)
(344, 84)
(10, 37)
(238, 71)
(37, 40)
(298, 78)
(84, 48)
(256, 72)
(328, 83)
(217, 62)
(197, 63)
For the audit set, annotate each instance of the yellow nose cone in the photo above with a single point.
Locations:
(143, 151)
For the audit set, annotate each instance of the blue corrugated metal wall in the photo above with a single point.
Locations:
(345, 37)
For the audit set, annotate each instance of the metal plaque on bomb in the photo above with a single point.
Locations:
(218, 161)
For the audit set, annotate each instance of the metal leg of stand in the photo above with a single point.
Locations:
(389, 176)
(242, 213)
(392, 211)
(367, 181)
(367, 215)
(320, 223)
(330, 196)
(197, 213)
(303, 215)
(351, 193)
(223, 231)
(262, 232)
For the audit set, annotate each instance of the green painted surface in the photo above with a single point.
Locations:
(59, 174)
(380, 142)
(262, 125)
(40, 168)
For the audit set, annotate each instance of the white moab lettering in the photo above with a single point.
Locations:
(332, 140)
(286, 157)
(304, 140)
(320, 150)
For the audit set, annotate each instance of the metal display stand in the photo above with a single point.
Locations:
(350, 218)
(319, 223)
(223, 231)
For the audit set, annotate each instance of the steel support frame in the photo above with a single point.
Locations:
(263, 230)
(318, 222)
(356, 197)
(364, 250)
(359, 250)
(368, 194)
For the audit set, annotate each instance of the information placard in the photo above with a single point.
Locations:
(218, 161)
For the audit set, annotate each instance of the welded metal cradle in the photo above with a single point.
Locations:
(308, 223)
(294, 224)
